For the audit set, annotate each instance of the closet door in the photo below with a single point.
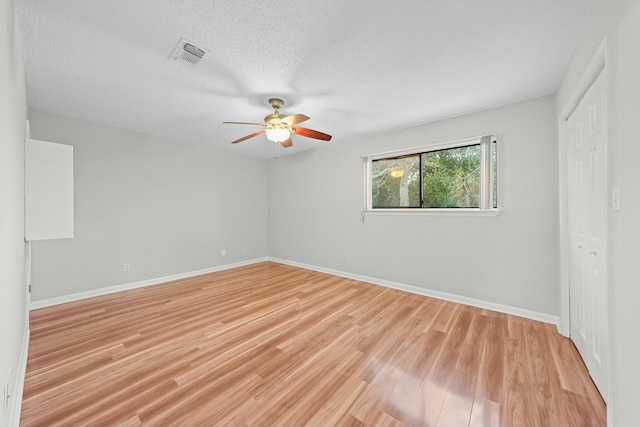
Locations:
(587, 220)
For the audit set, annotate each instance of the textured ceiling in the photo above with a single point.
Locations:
(355, 67)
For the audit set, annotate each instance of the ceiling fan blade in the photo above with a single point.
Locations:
(243, 123)
(310, 133)
(244, 138)
(287, 143)
(295, 119)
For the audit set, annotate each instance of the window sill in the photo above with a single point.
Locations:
(434, 212)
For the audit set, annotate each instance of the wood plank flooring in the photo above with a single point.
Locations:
(269, 344)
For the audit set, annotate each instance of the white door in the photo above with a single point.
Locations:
(587, 219)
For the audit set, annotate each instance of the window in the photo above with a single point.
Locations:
(455, 175)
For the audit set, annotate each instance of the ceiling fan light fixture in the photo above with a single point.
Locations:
(277, 134)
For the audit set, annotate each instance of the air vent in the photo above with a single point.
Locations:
(188, 52)
(191, 53)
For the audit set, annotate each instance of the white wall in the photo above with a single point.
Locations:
(619, 21)
(164, 207)
(12, 249)
(316, 198)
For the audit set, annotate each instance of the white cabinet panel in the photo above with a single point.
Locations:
(48, 190)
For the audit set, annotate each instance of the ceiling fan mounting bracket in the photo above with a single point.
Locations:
(276, 103)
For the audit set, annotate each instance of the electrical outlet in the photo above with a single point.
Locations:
(349, 258)
(244, 249)
(126, 267)
(223, 253)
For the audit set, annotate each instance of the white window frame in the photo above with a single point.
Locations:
(486, 179)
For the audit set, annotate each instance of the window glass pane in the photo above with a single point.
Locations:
(396, 182)
(451, 178)
(494, 168)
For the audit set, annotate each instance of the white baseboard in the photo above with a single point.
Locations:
(134, 285)
(516, 311)
(15, 405)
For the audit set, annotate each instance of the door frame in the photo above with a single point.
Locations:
(598, 64)
(27, 243)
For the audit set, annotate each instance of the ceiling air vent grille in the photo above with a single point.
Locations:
(189, 52)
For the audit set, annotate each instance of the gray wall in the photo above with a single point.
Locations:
(13, 113)
(619, 21)
(164, 207)
(316, 198)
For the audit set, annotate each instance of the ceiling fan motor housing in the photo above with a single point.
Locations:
(273, 119)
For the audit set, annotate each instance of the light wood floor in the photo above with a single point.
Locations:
(270, 344)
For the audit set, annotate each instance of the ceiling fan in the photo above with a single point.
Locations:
(278, 127)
